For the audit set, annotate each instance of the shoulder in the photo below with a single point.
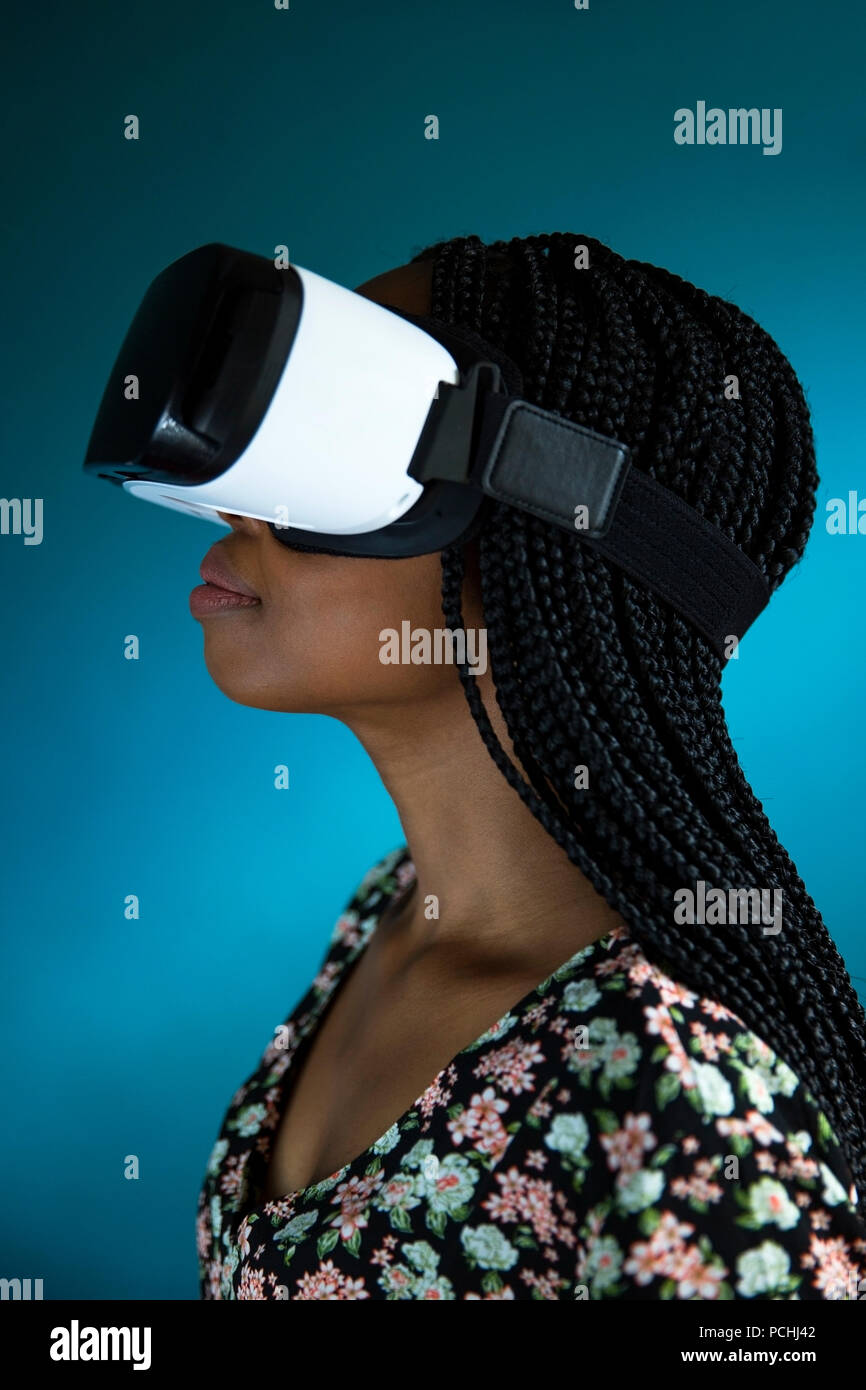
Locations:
(686, 1158)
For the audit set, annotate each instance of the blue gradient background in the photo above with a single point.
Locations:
(260, 127)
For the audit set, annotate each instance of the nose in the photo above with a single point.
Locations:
(249, 524)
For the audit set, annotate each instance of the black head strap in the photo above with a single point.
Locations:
(581, 480)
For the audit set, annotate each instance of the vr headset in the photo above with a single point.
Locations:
(355, 428)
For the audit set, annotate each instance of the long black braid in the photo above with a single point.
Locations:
(592, 669)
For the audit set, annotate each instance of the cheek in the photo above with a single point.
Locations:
(337, 634)
(316, 643)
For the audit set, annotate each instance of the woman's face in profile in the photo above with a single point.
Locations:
(311, 643)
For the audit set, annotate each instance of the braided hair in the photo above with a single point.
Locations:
(591, 669)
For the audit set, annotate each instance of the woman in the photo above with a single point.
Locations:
(519, 1072)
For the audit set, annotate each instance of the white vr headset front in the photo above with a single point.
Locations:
(332, 449)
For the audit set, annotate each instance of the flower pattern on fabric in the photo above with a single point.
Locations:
(613, 1135)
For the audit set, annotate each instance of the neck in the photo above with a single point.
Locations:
(503, 889)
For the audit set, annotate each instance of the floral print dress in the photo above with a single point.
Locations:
(614, 1135)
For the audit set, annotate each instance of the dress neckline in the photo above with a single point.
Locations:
(313, 1018)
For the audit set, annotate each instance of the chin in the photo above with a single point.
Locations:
(226, 670)
(239, 685)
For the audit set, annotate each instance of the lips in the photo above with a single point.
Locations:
(214, 570)
(223, 592)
